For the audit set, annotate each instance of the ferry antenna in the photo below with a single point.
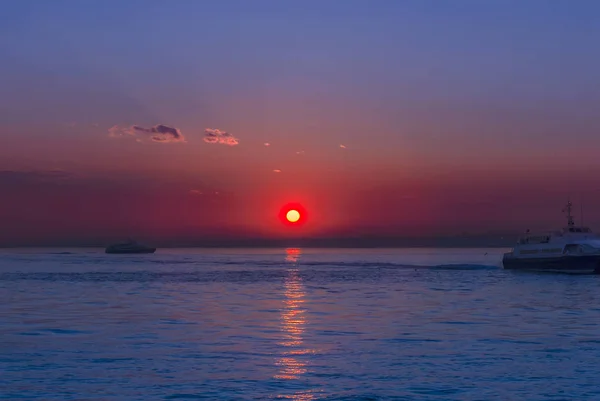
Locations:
(570, 221)
(581, 206)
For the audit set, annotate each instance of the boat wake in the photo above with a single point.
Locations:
(203, 262)
(248, 271)
(463, 266)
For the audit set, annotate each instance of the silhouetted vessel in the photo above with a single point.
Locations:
(573, 249)
(129, 246)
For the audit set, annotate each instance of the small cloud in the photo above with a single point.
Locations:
(115, 131)
(217, 136)
(277, 171)
(16, 177)
(158, 133)
(267, 144)
(195, 192)
(343, 146)
(300, 152)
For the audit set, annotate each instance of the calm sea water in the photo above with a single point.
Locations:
(299, 324)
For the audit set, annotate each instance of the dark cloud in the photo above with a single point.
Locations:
(10, 178)
(159, 133)
(217, 136)
(47, 208)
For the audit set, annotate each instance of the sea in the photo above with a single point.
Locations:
(293, 324)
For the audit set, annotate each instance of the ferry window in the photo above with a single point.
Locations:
(571, 249)
(588, 248)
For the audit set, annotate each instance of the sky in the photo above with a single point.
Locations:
(191, 121)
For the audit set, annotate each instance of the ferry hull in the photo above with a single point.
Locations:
(122, 251)
(584, 264)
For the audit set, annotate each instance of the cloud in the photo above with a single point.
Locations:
(217, 136)
(343, 146)
(277, 171)
(15, 177)
(300, 152)
(195, 192)
(159, 133)
(267, 144)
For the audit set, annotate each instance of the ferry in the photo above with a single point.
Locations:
(129, 246)
(572, 249)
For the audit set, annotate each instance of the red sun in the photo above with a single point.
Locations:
(292, 214)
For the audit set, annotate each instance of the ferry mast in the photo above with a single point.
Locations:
(567, 208)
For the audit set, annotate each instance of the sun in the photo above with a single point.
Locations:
(292, 216)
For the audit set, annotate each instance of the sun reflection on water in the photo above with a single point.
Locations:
(292, 255)
(293, 322)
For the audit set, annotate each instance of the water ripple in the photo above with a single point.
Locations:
(293, 325)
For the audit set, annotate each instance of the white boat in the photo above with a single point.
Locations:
(572, 249)
(129, 246)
